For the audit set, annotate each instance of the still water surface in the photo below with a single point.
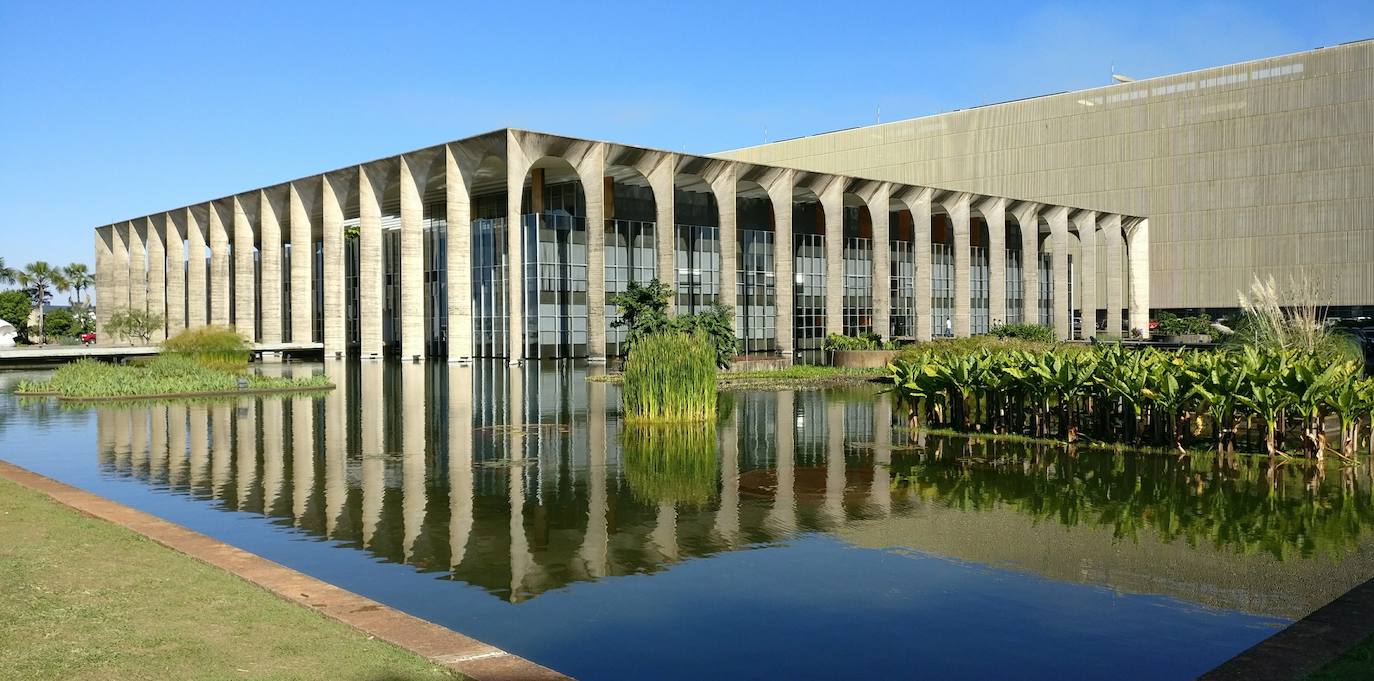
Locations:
(811, 537)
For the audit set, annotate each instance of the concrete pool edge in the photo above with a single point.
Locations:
(442, 646)
(1308, 644)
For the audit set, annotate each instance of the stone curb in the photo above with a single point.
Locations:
(1306, 645)
(445, 647)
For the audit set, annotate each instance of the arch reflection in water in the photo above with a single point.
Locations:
(524, 480)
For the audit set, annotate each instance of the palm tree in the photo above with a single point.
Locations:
(40, 279)
(7, 274)
(79, 278)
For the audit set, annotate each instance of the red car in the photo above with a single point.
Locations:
(88, 339)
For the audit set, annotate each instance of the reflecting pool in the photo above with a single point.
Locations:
(805, 534)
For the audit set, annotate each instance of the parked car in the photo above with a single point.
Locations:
(88, 338)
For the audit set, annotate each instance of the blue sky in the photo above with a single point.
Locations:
(114, 110)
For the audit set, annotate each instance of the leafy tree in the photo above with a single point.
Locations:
(134, 325)
(643, 310)
(40, 280)
(14, 308)
(61, 323)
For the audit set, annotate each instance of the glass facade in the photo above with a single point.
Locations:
(1016, 294)
(435, 282)
(697, 261)
(629, 257)
(352, 328)
(941, 291)
(756, 294)
(808, 310)
(1045, 297)
(555, 284)
(489, 302)
(902, 322)
(979, 307)
(391, 282)
(858, 286)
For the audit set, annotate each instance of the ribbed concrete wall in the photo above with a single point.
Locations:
(1263, 167)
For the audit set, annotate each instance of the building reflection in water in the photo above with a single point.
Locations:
(516, 480)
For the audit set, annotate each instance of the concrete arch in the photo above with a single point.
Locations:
(553, 276)
(631, 214)
(697, 252)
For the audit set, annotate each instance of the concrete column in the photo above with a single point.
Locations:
(832, 202)
(199, 452)
(176, 446)
(878, 211)
(412, 456)
(157, 275)
(520, 558)
(104, 281)
(724, 186)
(303, 196)
(413, 179)
(1138, 260)
(1111, 237)
(880, 488)
(994, 211)
(196, 276)
(221, 449)
(1085, 223)
(373, 471)
(245, 283)
(221, 216)
(595, 549)
(461, 478)
(958, 208)
(273, 455)
(138, 265)
(592, 173)
(727, 516)
(662, 180)
(302, 456)
(335, 446)
(246, 454)
(119, 280)
(783, 514)
(174, 241)
(333, 188)
(1028, 218)
(1058, 217)
(919, 202)
(834, 463)
(516, 167)
(780, 195)
(371, 186)
(269, 258)
(459, 270)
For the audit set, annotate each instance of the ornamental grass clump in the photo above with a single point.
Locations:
(673, 463)
(216, 347)
(670, 377)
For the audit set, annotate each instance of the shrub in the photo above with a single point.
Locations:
(135, 325)
(718, 325)
(1031, 332)
(866, 341)
(671, 377)
(216, 347)
(1171, 324)
(60, 323)
(161, 375)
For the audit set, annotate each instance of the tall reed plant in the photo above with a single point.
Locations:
(671, 377)
(216, 347)
(671, 463)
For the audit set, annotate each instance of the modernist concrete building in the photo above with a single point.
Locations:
(510, 244)
(1260, 168)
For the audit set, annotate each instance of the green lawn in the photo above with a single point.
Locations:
(1356, 663)
(81, 598)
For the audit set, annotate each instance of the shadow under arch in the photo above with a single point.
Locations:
(756, 308)
(553, 277)
(696, 244)
(857, 254)
(809, 270)
(631, 213)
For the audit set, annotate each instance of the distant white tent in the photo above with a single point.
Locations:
(7, 334)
